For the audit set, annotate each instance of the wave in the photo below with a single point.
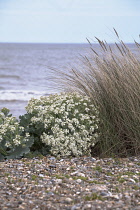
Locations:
(9, 76)
(21, 95)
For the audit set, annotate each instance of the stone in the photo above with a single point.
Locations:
(79, 180)
(106, 194)
(68, 200)
(58, 181)
(132, 180)
(80, 174)
(52, 166)
(41, 175)
(76, 207)
(87, 206)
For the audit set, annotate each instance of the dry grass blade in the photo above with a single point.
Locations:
(116, 33)
(119, 49)
(101, 44)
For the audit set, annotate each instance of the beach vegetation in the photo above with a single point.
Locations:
(111, 79)
(12, 142)
(98, 114)
(62, 124)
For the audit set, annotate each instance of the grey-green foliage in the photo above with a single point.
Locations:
(35, 132)
(63, 124)
(13, 142)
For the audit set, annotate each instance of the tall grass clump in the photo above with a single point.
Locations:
(111, 79)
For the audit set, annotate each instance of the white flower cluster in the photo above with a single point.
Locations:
(10, 131)
(70, 123)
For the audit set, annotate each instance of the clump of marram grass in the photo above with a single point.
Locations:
(112, 81)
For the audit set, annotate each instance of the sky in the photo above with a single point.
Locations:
(68, 21)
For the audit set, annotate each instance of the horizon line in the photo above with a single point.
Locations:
(1, 42)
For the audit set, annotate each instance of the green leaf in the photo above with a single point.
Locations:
(1, 157)
(3, 152)
(18, 152)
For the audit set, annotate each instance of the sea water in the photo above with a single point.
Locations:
(25, 70)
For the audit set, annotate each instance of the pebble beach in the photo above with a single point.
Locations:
(82, 183)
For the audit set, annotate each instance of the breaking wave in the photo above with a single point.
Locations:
(21, 95)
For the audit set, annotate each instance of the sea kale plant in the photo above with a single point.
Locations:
(64, 124)
(12, 142)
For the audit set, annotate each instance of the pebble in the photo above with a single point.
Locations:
(87, 206)
(79, 180)
(106, 194)
(68, 200)
(68, 169)
(132, 180)
(52, 158)
(74, 173)
(116, 197)
(76, 207)
(58, 181)
(52, 166)
(80, 174)
(61, 160)
(41, 175)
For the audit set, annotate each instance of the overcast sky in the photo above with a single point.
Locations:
(68, 21)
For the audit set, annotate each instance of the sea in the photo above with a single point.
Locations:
(25, 70)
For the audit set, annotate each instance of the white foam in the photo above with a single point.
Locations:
(21, 95)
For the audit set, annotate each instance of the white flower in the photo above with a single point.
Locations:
(7, 144)
(76, 111)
